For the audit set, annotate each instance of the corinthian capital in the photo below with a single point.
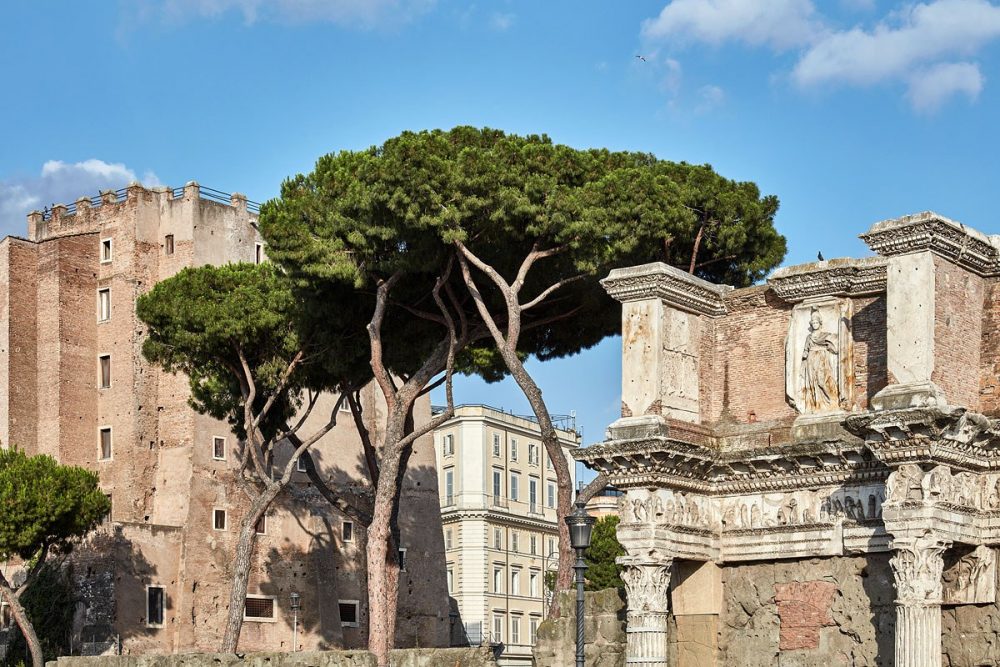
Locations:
(647, 582)
(917, 567)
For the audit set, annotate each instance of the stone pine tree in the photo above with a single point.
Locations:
(486, 249)
(238, 333)
(345, 226)
(602, 569)
(44, 508)
(536, 224)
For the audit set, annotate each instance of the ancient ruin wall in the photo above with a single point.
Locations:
(820, 611)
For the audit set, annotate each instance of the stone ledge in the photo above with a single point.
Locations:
(835, 277)
(674, 287)
(962, 245)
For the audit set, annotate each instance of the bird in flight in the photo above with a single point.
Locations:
(642, 58)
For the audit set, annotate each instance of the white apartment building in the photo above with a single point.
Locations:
(498, 510)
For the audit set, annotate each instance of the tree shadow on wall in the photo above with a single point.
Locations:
(110, 577)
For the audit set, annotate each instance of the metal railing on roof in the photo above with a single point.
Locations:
(562, 422)
(207, 193)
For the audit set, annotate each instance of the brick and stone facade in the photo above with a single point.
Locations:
(67, 299)
(810, 466)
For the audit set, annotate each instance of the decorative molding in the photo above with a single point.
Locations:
(835, 277)
(674, 287)
(963, 439)
(947, 238)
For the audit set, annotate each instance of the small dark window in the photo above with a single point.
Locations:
(258, 253)
(348, 531)
(402, 560)
(105, 251)
(154, 605)
(106, 443)
(219, 448)
(259, 608)
(219, 520)
(348, 613)
(105, 371)
(300, 463)
(261, 526)
(168, 244)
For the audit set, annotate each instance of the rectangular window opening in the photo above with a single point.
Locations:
(261, 527)
(348, 613)
(219, 519)
(154, 606)
(105, 371)
(105, 442)
(104, 304)
(168, 244)
(105, 251)
(347, 531)
(402, 559)
(258, 608)
(301, 463)
(258, 253)
(219, 448)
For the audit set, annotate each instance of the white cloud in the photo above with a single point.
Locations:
(60, 182)
(913, 46)
(672, 77)
(501, 22)
(353, 13)
(710, 97)
(896, 49)
(931, 88)
(780, 24)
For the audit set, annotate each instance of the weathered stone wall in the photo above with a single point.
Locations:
(821, 611)
(444, 657)
(603, 626)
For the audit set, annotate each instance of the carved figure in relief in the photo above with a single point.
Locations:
(905, 484)
(972, 580)
(937, 484)
(819, 359)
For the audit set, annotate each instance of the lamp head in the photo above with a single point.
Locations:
(581, 525)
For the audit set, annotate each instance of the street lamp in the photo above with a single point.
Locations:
(296, 605)
(580, 526)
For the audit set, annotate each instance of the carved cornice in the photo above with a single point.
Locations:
(963, 439)
(673, 286)
(669, 463)
(836, 277)
(952, 240)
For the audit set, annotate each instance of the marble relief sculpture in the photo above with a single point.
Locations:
(819, 361)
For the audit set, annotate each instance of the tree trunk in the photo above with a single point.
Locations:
(383, 582)
(564, 485)
(23, 622)
(380, 582)
(241, 566)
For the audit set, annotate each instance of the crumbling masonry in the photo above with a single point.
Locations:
(812, 465)
(74, 384)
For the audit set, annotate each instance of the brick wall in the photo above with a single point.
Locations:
(958, 315)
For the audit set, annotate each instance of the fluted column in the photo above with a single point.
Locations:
(917, 567)
(647, 583)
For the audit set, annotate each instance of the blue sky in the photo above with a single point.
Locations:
(850, 111)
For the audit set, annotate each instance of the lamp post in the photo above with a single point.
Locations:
(296, 605)
(580, 526)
